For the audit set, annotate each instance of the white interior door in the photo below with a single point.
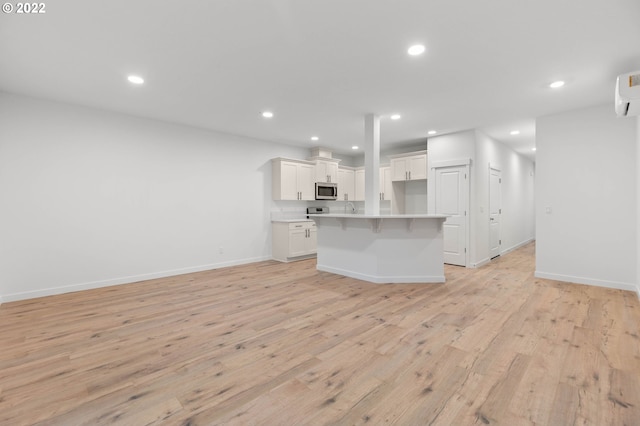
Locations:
(495, 212)
(451, 198)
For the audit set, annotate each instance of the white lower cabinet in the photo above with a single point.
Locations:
(294, 240)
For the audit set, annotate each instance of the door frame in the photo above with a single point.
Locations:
(462, 162)
(497, 168)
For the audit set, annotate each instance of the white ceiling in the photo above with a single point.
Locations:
(321, 65)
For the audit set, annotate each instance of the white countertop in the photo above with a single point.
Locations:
(291, 220)
(379, 216)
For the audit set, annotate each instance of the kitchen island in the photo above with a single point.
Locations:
(399, 248)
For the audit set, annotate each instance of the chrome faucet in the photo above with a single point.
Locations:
(353, 208)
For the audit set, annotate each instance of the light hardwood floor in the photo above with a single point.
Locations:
(283, 344)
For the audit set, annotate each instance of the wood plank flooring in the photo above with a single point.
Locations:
(283, 344)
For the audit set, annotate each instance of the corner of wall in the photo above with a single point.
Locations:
(638, 206)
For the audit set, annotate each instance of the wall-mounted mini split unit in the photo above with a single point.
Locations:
(628, 94)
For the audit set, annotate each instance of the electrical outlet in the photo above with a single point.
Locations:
(221, 250)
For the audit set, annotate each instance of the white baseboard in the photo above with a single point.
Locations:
(517, 246)
(587, 281)
(12, 297)
(480, 263)
(502, 253)
(382, 280)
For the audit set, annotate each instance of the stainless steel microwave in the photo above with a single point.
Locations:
(326, 191)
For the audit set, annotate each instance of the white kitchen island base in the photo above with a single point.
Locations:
(382, 248)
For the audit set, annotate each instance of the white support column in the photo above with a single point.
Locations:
(372, 164)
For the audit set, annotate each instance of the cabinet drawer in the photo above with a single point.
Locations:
(301, 225)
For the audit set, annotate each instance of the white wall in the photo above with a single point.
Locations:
(586, 177)
(517, 226)
(92, 198)
(638, 206)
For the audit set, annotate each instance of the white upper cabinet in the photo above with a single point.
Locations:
(385, 184)
(306, 185)
(359, 185)
(346, 184)
(410, 166)
(327, 171)
(292, 179)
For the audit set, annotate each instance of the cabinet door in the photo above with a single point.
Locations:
(326, 171)
(298, 241)
(321, 171)
(306, 184)
(312, 240)
(399, 169)
(346, 185)
(359, 185)
(342, 184)
(385, 183)
(332, 172)
(351, 185)
(417, 167)
(289, 181)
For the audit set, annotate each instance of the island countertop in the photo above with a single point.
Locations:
(378, 216)
(290, 220)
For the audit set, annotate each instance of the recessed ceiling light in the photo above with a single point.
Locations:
(515, 132)
(354, 147)
(533, 149)
(395, 117)
(556, 84)
(135, 79)
(416, 49)
(267, 114)
(314, 138)
(431, 132)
